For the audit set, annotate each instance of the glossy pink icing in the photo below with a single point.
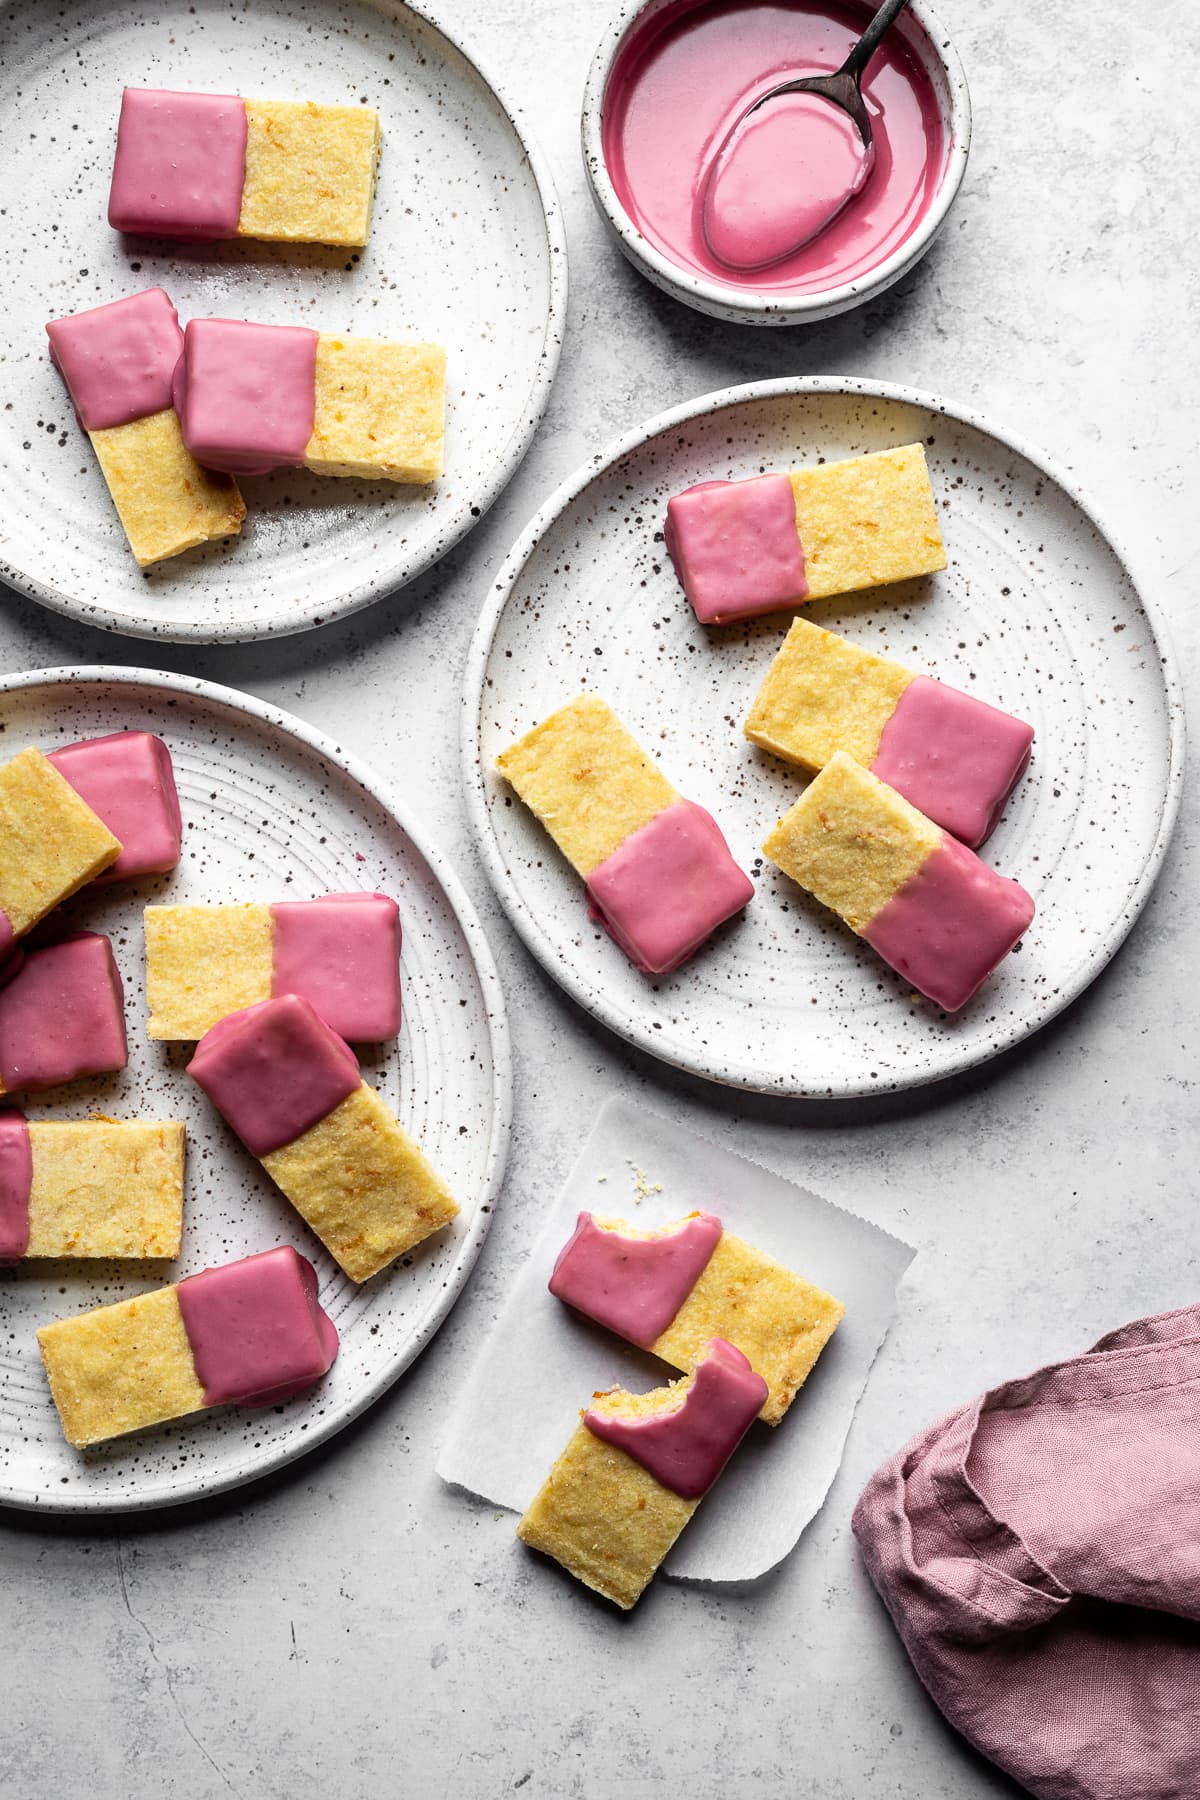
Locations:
(953, 756)
(780, 177)
(16, 1184)
(8, 939)
(180, 164)
(128, 781)
(12, 955)
(683, 80)
(341, 953)
(687, 1449)
(246, 394)
(61, 1015)
(634, 1286)
(272, 1070)
(118, 360)
(667, 887)
(947, 928)
(257, 1331)
(735, 547)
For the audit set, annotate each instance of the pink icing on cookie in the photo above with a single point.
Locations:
(180, 164)
(16, 1183)
(118, 360)
(341, 953)
(735, 547)
(687, 1449)
(634, 1286)
(947, 928)
(61, 1015)
(128, 781)
(246, 394)
(953, 756)
(12, 955)
(257, 1331)
(667, 888)
(272, 1070)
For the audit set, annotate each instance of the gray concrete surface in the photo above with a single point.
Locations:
(351, 1628)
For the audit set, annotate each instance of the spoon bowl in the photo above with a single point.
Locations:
(750, 218)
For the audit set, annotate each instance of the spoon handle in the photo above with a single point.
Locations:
(868, 43)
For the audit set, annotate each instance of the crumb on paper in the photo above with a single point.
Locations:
(642, 1186)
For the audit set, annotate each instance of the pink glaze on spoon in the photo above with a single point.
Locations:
(686, 1449)
(273, 1070)
(782, 176)
(16, 1183)
(687, 75)
(257, 1331)
(634, 1286)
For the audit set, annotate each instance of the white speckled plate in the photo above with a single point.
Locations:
(1037, 613)
(270, 808)
(466, 248)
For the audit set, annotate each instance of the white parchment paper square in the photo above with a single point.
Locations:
(542, 1362)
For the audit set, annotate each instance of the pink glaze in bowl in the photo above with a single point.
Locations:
(787, 296)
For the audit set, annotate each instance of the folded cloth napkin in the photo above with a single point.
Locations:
(1039, 1552)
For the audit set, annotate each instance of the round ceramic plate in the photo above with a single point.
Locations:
(1037, 613)
(270, 809)
(466, 249)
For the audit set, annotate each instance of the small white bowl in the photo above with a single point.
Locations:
(725, 300)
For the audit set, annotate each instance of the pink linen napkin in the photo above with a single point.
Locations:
(1039, 1552)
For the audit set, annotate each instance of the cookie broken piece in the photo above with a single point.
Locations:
(673, 1288)
(51, 843)
(341, 953)
(250, 1332)
(251, 398)
(659, 875)
(291, 1090)
(118, 362)
(743, 548)
(90, 1187)
(210, 166)
(636, 1469)
(953, 756)
(922, 900)
(61, 1015)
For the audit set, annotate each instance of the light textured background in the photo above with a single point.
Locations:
(351, 1628)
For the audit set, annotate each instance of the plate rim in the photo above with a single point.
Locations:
(595, 1002)
(474, 507)
(279, 719)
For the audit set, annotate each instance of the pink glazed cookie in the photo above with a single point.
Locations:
(954, 757)
(210, 166)
(926, 903)
(659, 874)
(251, 1333)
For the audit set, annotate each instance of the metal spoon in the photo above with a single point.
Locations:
(842, 89)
